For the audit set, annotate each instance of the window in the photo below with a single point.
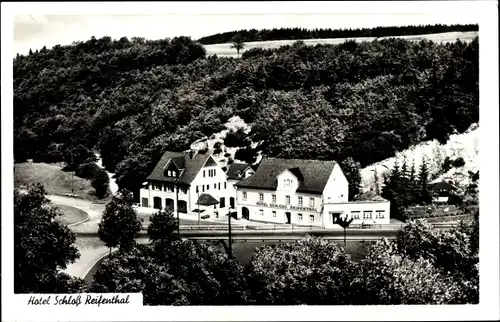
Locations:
(213, 173)
(301, 201)
(215, 186)
(145, 202)
(203, 188)
(367, 215)
(174, 174)
(244, 195)
(261, 211)
(311, 202)
(203, 173)
(169, 173)
(287, 200)
(208, 187)
(355, 214)
(261, 197)
(197, 189)
(222, 202)
(225, 185)
(274, 214)
(288, 182)
(218, 186)
(311, 218)
(380, 214)
(274, 198)
(300, 216)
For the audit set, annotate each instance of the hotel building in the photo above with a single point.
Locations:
(281, 191)
(304, 192)
(184, 176)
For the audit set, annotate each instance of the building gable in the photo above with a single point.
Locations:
(210, 162)
(314, 174)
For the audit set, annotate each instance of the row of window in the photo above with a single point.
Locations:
(299, 216)
(300, 200)
(171, 173)
(169, 187)
(217, 186)
(379, 214)
(211, 173)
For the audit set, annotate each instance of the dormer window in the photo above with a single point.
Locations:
(288, 182)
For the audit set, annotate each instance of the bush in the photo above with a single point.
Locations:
(248, 155)
(455, 200)
(459, 162)
(101, 183)
(236, 139)
(87, 170)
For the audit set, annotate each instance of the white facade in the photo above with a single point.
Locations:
(362, 212)
(211, 179)
(286, 205)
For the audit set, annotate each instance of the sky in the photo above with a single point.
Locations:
(36, 25)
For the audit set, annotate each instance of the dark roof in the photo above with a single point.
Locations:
(232, 172)
(189, 167)
(312, 174)
(442, 185)
(206, 199)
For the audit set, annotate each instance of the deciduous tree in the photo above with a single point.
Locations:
(119, 225)
(42, 246)
(309, 271)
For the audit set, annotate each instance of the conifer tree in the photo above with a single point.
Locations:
(423, 180)
(377, 182)
(412, 183)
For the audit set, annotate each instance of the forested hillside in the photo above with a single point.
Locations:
(130, 100)
(301, 33)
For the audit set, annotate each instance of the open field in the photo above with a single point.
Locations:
(55, 181)
(71, 215)
(226, 50)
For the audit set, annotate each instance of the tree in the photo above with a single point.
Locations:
(176, 273)
(423, 183)
(125, 271)
(387, 277)
(42, 246)
(119, 225)
(163, 227)
(376, 180)
(101, 183)
(392, 191)
(453, 252)
(351, 170)
(309, 271)
(196, 274)
(238, 43)
(344, 222)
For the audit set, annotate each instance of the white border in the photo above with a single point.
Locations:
(488, 308)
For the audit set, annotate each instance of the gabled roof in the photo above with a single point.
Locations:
(183, 161)
(234, 168)
(313, 174)
(206, 199)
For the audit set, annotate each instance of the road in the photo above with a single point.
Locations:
(92, 249)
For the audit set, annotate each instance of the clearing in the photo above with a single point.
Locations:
(54, 179)
(225, 49)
